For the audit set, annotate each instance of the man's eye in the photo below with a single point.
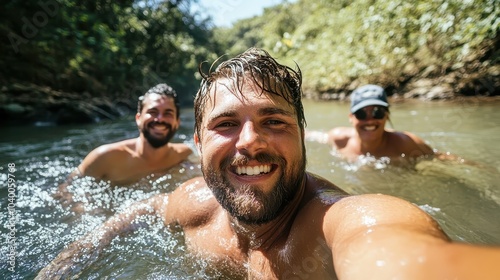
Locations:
(275, 122)
(225, 124)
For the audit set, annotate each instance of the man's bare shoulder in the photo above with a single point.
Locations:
(341, 132)
(320, 194)
(409, 144)
(319, 185)
(181, 148)
(404, 137)
(127, 146)
(339, 136)
(193, 203)
(98, 161)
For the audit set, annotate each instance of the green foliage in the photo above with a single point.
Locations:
(342, 43)
(118, 49)
(107, 48)
(270, 31)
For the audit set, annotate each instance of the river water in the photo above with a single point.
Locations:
(463, 198)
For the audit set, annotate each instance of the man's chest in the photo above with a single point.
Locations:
(290, 260)
(128, 171)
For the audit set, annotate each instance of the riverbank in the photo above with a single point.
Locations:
(475, 79)
(28, 104)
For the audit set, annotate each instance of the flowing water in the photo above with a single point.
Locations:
(34, 227)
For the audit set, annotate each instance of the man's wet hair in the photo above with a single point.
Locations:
(257, 65)
(160, 89)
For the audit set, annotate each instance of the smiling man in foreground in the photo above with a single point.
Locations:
(257, 214)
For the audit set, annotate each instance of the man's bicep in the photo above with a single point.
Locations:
(388, 251)
(160, 204)
(371, 210)
(379, 233)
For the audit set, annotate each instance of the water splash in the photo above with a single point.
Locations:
(44, 226)
(364, 161)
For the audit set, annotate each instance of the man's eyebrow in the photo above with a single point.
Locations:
(223, 115)
(263, 111)
(274, 111)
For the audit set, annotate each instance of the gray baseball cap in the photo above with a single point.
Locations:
(368, 95)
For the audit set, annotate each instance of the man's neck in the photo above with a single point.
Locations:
(146, 151)
(373, 146)
(262, 237)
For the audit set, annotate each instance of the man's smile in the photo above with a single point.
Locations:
(253, 170)
(159, 126)
(370, 127)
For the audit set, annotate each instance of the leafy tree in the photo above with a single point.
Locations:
(341, 44)
(113, 49)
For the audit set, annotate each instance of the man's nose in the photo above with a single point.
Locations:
(250, 138)
(369, 114)
(159, 116)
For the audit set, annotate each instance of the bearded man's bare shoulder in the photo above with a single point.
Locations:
(124, 147)
(180, 147)
(321, 195)
(320, 185)
(193, 202)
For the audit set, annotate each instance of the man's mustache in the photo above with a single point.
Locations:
(261, 158)
(169, 126)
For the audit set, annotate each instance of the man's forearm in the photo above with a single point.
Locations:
(62, 193)
(465, 261)
(85, 251)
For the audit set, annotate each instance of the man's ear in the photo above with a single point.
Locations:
(137, 119)
(197, 142)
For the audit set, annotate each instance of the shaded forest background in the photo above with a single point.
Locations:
(70, 61)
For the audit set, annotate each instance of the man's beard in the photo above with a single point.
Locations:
(156, 142)
(248, 203)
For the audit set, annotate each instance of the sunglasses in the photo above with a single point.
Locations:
(378, 113)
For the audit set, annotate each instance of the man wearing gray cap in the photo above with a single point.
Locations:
(368, 114)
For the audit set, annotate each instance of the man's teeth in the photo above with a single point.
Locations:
(159, 126)
(253, 170)
(371, 127)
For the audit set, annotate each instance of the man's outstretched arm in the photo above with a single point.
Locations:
(383, 237)
(86, 250)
